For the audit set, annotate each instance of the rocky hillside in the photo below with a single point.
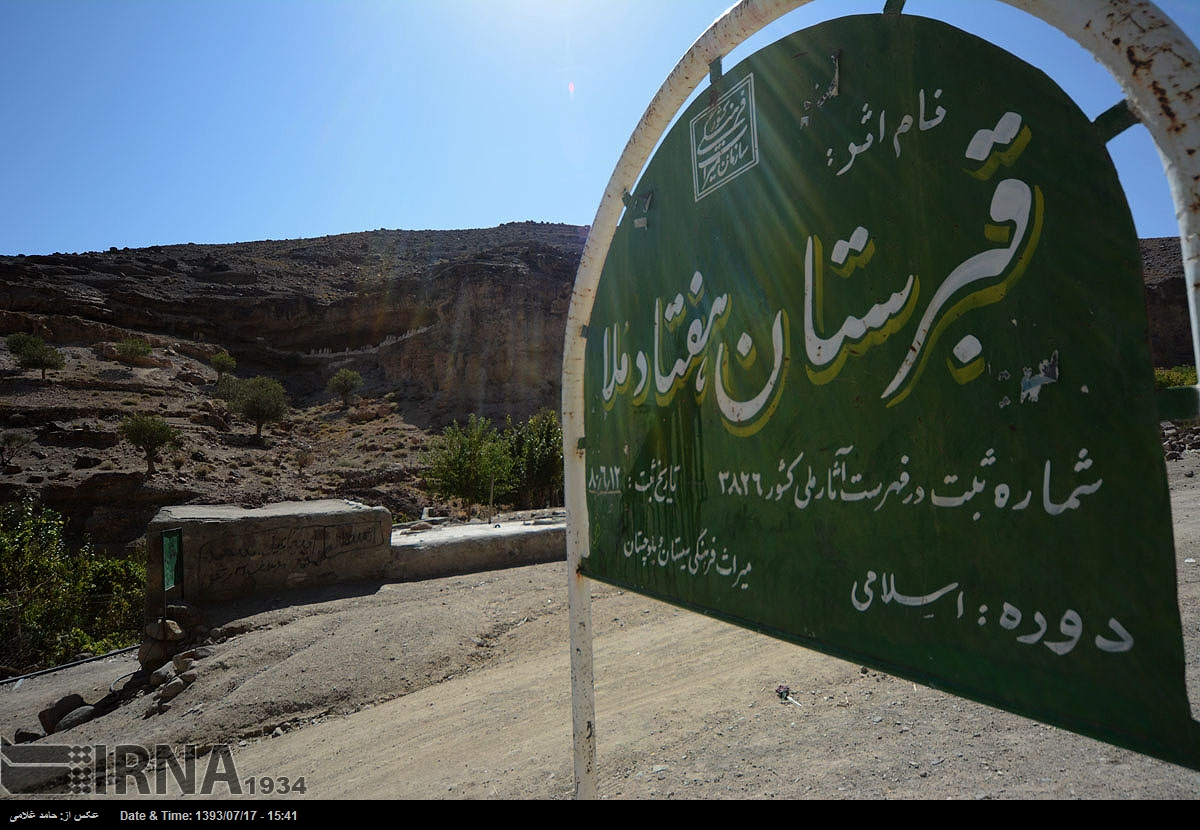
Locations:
(452, 322)
(440, 324)
(1166, 302)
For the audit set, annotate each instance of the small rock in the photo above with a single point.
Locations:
(51, 715)
(194, 378)
(152, 654)
(172, 689)
(161, 675)
(24, 735)
(75, 717)
(185, 613)
(182, 663)
(167, 630)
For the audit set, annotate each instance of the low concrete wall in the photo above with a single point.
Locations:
(458, 549)
(230, 552)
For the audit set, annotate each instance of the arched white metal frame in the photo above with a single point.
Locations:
(1157, 68)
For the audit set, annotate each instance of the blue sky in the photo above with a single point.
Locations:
(143, 122)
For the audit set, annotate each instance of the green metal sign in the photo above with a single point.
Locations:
(172, 544)
(867, 371)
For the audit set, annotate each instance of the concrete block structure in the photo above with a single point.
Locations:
(226, 551)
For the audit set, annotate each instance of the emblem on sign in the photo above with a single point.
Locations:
(724, 139)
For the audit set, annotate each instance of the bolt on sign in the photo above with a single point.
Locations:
(867, 371)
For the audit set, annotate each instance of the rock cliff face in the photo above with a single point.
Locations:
(452, 321)
(1166, 302)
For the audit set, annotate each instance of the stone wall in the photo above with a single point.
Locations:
(229, 551)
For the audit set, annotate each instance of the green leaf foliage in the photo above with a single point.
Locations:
(521, 466)
(469, 462)
(223, 363)
(148, 433)
(344, 384)
(536, 450)
(1178, 376)
(34, 353)
(260, 400)
(130, 349)
(18, 342)
(56, 602)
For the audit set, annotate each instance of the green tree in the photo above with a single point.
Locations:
(471, 463)
(344, 384)
(36, 354)
(223, 363)
(54, 601)
(148, 433)
(132, 348)
(19, 341)
(536, 450)
(260, 400)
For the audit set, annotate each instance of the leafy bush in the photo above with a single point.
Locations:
(132, 348)
(522, 466)
(471, 463)
(260, 400)
(18, 342)
(34, 353)
(536, 450)
(1179, 376)
(55, 602)
(344, 384)
(148, 433)
(223, 363)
